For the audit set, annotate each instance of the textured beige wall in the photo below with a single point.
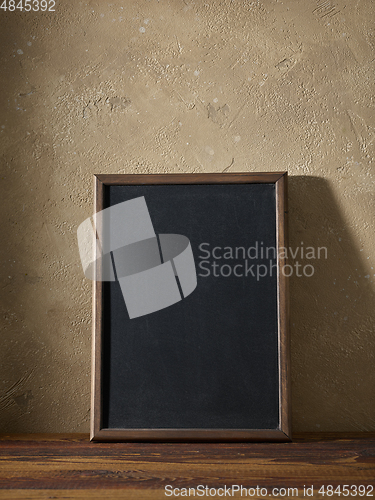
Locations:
(186, 86)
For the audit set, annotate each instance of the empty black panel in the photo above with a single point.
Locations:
(211, 360)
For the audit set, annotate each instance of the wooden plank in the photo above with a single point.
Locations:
(100, 494)
(73, 463)
(297, 436)
(331, 436)
(80, 494)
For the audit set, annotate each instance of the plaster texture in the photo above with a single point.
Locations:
(186, 86)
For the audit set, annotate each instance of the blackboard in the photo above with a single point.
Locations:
(212, 365)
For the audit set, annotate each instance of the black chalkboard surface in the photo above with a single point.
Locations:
(205, 355)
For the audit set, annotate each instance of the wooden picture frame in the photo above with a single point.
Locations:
(199, 187)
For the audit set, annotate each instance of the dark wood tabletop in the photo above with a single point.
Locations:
(70, 466)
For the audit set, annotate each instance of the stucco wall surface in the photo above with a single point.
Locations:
(186, 86)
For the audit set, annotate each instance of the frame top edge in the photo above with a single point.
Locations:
(180, 178)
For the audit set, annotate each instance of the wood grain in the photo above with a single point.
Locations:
(70, 465)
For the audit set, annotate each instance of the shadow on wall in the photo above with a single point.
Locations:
(333, 380)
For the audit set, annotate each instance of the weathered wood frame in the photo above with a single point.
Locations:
(283, 432)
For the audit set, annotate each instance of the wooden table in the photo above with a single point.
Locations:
(69, 466)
